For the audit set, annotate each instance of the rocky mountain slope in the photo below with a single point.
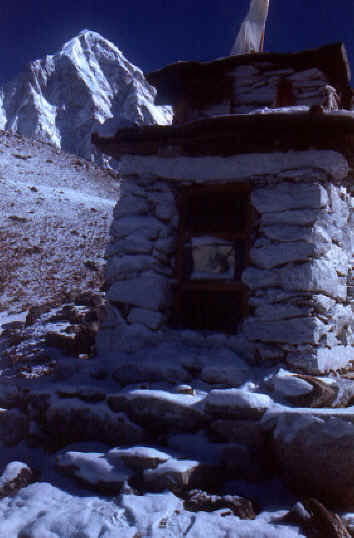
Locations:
(55, 215)
(63, 97)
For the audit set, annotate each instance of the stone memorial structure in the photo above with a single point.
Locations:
(233, 226)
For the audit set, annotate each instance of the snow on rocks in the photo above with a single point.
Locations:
(94, 470)
(16, 475)
(105, 85)
(66, 420)
(174, 475)
(138, 457)
(160, 411)
(144, 468)
(159, 515)
(287, 384)
(315, 452)
(304, 391)
(200, 500)
(316, 520)
(236, 403)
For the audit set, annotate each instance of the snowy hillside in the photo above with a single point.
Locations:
(63, 97)
(55, 214)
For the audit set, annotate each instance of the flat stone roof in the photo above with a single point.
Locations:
(209, 81)
(275, 131)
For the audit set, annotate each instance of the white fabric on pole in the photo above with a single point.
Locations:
(249, 38)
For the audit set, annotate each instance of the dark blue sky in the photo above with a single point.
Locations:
(152, 34)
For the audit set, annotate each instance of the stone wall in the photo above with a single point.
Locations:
(256, 86)
(298, 274)
(300, 256)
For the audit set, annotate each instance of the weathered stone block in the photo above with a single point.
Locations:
(321, 360)
(122, 266)
(303, 217)
(236, 403)
(149, 318)
(146, 226)
(132, 244)
(130, 205)
(274, 255)
(147, 291)
(316, 235)
(315, 449)
(318, 276)
(160, 411)
(165, 205)
(287, 196)
(274, 312)
(234, 168)
(291, 331)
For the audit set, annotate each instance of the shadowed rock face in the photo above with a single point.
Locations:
(61, 98)
(315, 452)
(315, 520)
(16, 475)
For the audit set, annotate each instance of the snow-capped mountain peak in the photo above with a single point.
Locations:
(63, 97)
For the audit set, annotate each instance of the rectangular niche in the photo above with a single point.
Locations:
(213, 249)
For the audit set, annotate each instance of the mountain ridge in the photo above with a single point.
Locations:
(89, 83)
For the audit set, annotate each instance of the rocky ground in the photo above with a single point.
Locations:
(166, 442)
(56, 211)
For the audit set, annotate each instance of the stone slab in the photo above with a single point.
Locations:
(151, 292)
(287, 196)
(235, 168)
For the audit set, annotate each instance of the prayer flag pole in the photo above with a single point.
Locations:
(251, 34)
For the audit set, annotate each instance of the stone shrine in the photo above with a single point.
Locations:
(233, 228)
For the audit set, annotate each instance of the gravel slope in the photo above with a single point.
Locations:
(55, 215)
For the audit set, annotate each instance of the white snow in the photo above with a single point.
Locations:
(64, 97)
(44, 511)
(93, 467)
(138, 452)
(238, 398)
(12, 470)
(180, 399)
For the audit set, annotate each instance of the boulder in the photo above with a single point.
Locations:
(236, 403)
(94, 470)
(315, 520)
(160, 411)
(71, 420)
(158, 364)
(137, 457)
(287, 385)
(17, 475)
(314, 450)
(180, 476)
(197, 500)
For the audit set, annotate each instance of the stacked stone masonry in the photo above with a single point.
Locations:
(299, 267)
(244, 83)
